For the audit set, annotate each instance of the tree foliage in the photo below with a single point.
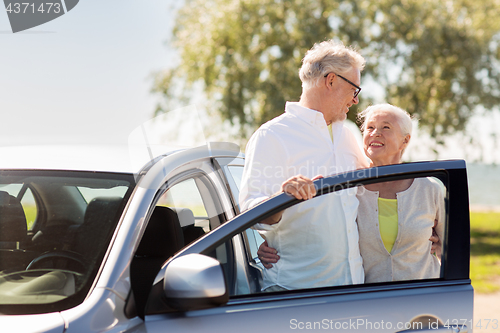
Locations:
(437, 59)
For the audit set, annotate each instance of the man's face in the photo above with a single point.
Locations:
(342, 97)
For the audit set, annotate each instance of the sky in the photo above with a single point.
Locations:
(86, 77)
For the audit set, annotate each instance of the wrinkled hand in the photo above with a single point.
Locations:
(300, 187)
(267, 255)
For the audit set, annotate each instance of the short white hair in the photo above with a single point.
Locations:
(403, 117)
(328, 57)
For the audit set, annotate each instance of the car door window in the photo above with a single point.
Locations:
(236, 172)
(186, 195)
(387, 231)
(253, 239)
(322, 244)
(195, 202)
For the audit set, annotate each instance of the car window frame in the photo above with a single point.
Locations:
(194, 174)
(252, 267)
(202, 171)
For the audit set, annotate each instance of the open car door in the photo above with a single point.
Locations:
(191, 292)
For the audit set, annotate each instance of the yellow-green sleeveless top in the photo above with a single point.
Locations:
(388, 221)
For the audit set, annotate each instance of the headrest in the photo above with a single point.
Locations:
(185, 216)
(163, 236)
(12, 219)
(97, 225)
(101, 210)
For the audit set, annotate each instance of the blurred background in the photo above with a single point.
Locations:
(97, 73)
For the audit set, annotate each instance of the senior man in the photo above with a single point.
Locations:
(317, 240)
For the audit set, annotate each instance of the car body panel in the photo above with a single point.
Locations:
(47, 322)
(102, 311)
(333, 312)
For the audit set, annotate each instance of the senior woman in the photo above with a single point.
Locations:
(396, 219)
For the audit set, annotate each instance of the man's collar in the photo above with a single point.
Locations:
(308, 115)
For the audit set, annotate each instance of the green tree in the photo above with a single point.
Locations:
(437, 59)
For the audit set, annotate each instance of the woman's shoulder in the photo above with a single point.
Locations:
(430, 183)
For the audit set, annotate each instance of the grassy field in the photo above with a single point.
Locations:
(485, 251)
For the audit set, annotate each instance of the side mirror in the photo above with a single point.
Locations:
(194, 282)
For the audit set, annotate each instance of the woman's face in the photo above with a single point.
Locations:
(383, 139)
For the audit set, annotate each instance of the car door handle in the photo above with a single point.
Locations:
(461, 329)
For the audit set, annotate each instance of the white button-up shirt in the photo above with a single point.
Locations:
(317, 240)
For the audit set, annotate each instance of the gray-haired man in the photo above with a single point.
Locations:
(317, 240)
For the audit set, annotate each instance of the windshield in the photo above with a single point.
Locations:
(55, 228)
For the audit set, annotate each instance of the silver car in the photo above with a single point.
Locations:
(165, 248)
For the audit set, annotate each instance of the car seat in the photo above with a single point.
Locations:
(162, 238)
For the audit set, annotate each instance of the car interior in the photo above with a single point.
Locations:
(52, 244)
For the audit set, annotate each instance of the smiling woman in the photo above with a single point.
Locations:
(386, 133)
(397, 218)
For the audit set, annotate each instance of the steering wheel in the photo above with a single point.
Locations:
(67, 260)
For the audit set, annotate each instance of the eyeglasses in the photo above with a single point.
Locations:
(358, 89)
